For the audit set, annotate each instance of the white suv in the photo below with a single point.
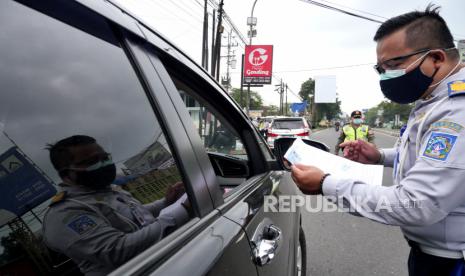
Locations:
(288, 127)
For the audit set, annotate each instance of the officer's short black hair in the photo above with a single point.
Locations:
(60, 155)
(424, 30)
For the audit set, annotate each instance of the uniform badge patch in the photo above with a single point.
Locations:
(82, 224)
(456, 88)
(439, 146)
(446, 124)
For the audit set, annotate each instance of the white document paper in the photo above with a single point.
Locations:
(169, 209)
(301, 153)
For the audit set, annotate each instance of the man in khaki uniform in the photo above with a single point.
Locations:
(355, 130)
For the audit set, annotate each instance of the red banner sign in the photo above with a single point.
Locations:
(258, 63)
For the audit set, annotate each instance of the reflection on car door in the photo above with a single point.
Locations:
(250, 213)
(214, 244)
(244, 205)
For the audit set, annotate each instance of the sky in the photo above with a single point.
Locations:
(307, 40)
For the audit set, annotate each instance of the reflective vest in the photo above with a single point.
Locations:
(351, 134)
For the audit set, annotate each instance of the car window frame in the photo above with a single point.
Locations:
(157, 99)
(247, 133)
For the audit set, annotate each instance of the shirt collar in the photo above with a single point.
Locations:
(441, 90)
(75, 190)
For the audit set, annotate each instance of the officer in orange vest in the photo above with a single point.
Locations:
(355, 130)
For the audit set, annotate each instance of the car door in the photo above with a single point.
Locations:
(240, 200)
(71, 69)
(212, 238)
(67, 70)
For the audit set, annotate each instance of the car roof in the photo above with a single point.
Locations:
(289, 119)
(116, 13)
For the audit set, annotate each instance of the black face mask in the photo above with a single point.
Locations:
(407, 88)
(97, 179)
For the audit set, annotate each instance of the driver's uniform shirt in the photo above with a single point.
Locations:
(102, 229)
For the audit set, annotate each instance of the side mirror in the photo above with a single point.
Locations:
(281, 145)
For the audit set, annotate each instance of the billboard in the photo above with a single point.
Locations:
(22, 185)
(258, 64)
(325, 89)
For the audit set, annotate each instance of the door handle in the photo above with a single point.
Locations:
(266, 247)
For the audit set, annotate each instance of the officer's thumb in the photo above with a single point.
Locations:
(302, 167)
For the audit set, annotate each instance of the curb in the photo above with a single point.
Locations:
(387, 132)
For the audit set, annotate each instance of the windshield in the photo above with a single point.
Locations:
(288, 124)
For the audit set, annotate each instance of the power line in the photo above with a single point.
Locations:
(354, 14)
(369, 13)
(170, 12)
(277, 78)
(230, 23)
(200, 4)
(185, 11)
(194, 7)
(325, 68)
(340, 10)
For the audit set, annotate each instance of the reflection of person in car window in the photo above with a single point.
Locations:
(97, 227)
(223, 141)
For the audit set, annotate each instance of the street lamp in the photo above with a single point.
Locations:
(251, 21)
(312, 108)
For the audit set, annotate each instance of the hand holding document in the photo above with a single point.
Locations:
(169, 209)
(301, 153)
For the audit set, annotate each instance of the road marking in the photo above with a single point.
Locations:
(379, 132)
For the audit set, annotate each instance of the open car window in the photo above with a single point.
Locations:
(225, 148)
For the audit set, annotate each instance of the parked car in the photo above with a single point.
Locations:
(90, 67)
(288, 127)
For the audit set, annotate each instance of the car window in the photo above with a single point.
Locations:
(288, 124)
(227, 153)
(216, 134)
(59, 81)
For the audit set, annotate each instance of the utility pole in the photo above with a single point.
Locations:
(205, 38)
(251, 35)
(230, 62)
(314, 111)
(212, 68)
(282, 96)
(217, 49)
(286, 108)
(280, 90)
(242, 81)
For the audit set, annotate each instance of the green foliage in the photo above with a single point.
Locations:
(11, 249)
(256, 101)
(271, 110)
(389, 111)
(307, 88)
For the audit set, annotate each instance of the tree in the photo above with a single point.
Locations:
(256, 101)
(271, 110)
(12, 249)
(306, 89)
(328, 110)
(389, 111)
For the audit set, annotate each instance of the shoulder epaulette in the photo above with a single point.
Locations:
(59, 197)
(456, 88)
